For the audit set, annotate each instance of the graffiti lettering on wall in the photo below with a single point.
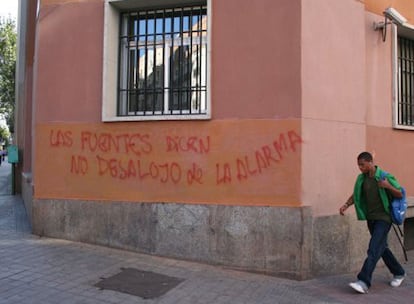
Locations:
(264, 157)
(132, 156)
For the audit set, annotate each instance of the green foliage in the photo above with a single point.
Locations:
(8, 40)
(4, 135)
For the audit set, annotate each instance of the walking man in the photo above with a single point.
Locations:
(372, 204)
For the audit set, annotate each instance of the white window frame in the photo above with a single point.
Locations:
(111, 57)
(406, 30)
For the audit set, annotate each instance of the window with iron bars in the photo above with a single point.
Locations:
(405, 82)
(163, 62)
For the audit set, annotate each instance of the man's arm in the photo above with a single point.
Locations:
(345, 206)
(384, 183)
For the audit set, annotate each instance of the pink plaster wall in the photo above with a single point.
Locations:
(393, 151)
(378, 74)
(347, 99)
(392, 148)
(270, 61)
(255, 72)
(406, 7)
(256, 59)
(69, 67)
(27, 91)
(333, 100)
(333, 60)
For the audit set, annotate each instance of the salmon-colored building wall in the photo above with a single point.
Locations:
(392, 148)
(69, 67)
(403, 6)
(330, 76)
(256, 59)
(333, 100)
(254, 135)
(252, 77)
(24, 85)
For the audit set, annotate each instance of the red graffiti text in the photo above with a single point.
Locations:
(59, 138)
(135, 143)
(250, 165)
(188, 144)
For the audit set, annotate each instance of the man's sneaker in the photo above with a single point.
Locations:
(397, 280)
(359, 286)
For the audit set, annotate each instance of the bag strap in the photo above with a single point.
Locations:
(399, 239)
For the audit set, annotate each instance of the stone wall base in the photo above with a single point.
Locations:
(279, 241)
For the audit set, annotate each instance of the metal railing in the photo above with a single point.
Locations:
(163, 62)
(405, 101)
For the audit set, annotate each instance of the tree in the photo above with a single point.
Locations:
(4, 135)
(8, 39)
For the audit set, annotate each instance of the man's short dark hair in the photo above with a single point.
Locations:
(365, 156)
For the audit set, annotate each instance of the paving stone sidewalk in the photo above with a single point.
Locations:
(44, 270)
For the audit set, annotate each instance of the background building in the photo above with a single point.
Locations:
(217, 131)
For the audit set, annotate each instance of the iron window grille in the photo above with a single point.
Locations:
(405, 82)
(163, 62)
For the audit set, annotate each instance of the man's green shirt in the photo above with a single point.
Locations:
(365, 205)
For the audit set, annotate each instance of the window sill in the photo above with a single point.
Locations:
(407, 128)
(156, 118)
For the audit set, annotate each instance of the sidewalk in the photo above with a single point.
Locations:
(43, 270)
(5, 178)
